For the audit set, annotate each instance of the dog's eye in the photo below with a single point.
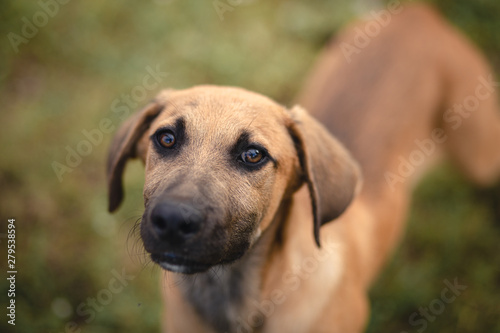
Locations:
(166, 139)
(252, 156)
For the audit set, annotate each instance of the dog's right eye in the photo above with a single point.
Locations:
(166, 139)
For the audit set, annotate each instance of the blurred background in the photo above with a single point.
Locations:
(60, 78)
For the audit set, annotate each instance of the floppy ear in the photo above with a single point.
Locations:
(124, 146)
(332, 175)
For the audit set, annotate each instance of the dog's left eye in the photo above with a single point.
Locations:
(252, 156)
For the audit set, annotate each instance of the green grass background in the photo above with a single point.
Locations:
(64, 80)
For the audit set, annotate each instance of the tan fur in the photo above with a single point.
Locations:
(243, 207)
(394, 91)
(398, 90)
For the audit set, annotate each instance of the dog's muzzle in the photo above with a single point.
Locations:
(175, 222)
(168, 233)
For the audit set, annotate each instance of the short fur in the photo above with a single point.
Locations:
(259, 267)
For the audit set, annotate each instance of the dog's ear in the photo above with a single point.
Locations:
(124, 147)
(332, 175)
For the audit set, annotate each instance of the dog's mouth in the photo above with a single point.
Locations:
(175, 263)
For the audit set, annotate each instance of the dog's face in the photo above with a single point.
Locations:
(217, 166)
(219, 162)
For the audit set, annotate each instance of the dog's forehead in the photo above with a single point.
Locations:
(224, 102)
(224, 112)
(207, 93)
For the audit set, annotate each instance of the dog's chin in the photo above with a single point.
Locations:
(178, 264)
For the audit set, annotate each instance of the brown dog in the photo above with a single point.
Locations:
(237, 187)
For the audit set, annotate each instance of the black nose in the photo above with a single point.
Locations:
(175, 222)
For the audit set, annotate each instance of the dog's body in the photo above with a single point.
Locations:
(413, 83)
(247, 232)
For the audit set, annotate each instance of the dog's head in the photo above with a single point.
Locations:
(219, 162)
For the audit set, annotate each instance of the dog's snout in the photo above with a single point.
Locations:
(175, 222)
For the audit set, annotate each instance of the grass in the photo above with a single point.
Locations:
(64, 81)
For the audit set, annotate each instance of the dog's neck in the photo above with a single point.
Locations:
(227, 297)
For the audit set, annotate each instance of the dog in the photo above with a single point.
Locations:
(269, 219)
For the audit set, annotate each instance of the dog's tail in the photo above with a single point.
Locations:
(403, 87)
